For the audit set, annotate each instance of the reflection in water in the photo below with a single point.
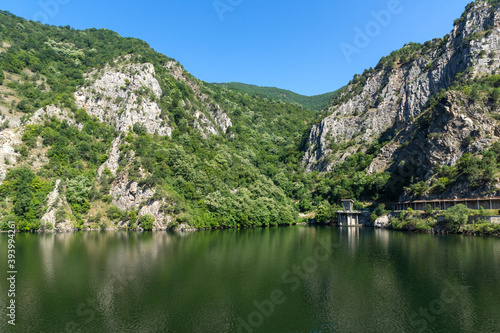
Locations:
(352, 237)
(342, 279)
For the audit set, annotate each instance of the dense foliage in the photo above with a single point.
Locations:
(246, 177)
(27, 194)
(51, 60)
(250, 176)
(314, 103)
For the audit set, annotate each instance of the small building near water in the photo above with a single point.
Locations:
(348, 217)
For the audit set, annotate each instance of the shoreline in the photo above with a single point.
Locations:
(433, 231)
(76, 230)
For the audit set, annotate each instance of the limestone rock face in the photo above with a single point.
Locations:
(57, 202)
(9, 139)
(51, 111)
(220, 117)
(113, 157)
(453, 123)
(391, 97)
(204, 125)
(124, 94)
(154, 207)
(209, 121)
(127, 195)
(381, 222)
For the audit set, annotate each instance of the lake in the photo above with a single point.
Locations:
(289, 279)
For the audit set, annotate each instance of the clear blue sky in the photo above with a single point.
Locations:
(294, 45)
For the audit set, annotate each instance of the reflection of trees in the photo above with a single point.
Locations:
(374, 280)
(378, 279)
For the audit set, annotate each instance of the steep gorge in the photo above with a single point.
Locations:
(104, 132)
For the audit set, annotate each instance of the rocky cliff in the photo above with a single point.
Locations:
(454, 127)
(383, 103)
(127, 132)
(209, 117)
(57, 215)
(124, 94)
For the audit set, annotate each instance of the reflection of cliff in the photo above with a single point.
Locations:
(377, 280)
(47, 241)
(372, 281)
(358, 285)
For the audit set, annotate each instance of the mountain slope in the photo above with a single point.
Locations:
(112, 134)
(412, 104)
(100, 131)
(314, 103)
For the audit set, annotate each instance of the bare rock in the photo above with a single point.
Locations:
(124, 94)
(220, 117)
(9, 139)
(208, 120)
(389, 98)
(153, 207)
(51, 111)
(57, 202)
(113, 157)
(127, 195)
(381, 222)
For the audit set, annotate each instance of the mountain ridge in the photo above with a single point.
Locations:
(313, 103)
(387, 105)
(103, 132)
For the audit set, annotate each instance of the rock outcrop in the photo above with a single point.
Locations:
(9, 139)
(125, 94)
(220, 117)
(386, 100)
(126, 193)
(382, 221)
(442, 138)
(113, 158)
(210, 120)
(154, 208)
(58, 211)
(52, 111)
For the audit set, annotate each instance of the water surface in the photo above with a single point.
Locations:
(295, 279)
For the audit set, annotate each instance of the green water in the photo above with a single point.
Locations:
(296, 279)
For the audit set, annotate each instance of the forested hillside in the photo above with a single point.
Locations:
(431, 108)
(100, 131)
(314, 103)
(224, 158)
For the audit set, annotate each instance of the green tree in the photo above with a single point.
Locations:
(28, 193)
(419, 188)
(456, 216)
(78, 194)
(495, 95)
(146, 221)
(324, 212)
